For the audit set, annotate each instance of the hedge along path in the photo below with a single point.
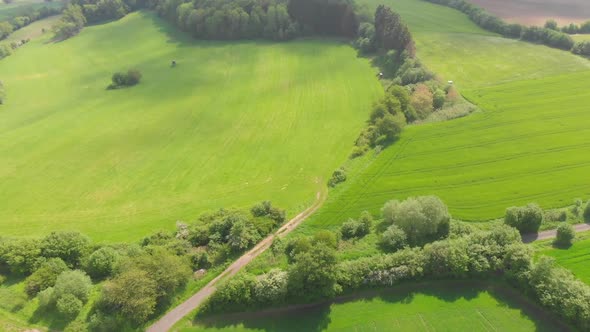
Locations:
(552, 233)
(173, 316)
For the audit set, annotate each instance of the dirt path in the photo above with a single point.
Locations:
(550, 234)
(172, 317)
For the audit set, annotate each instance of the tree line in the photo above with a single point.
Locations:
(419, 243)
(136, 280)
(228, 19)
(18, 22)
(548, 35)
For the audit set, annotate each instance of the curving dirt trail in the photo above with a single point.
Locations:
(552, 233)
(172, 317)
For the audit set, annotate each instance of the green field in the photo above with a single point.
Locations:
(233, 124)
(528, 145)
(574, 258)
(21, 7)
(581, 37)
(437, 307)
(34, 30)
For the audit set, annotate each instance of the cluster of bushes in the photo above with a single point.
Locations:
(137, 280)
(582, 48)
(571, 29)
(120, 80)
(399, 106)
(549, 34)
(338, 176)
(421, 219)
(355, 229)
(315, 272)
(8, 27)
(529, 218)
(71, 22)
(413, 93)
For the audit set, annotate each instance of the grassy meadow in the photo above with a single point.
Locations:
(528, 144)
(20, 7)
(581, 37)
(33, 30)
(574, 258)
(232, 124)
(434, 307)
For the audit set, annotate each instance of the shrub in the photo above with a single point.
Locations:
(21, 256)
(423, 219)
(133, 77)
(393, 239)
(438, 99)
(271, 288)
(71, 247)
(119, 80)
(527, 219)
(555, 215)
(565, 235)
(338, 176)
(314, 273)
(45, 276)
(327, 238)
(136, 305)
(422, 101)
(102, 262)
(587, 212)
(355, 229)
(297, 246)
(75, 283)
(69, 305)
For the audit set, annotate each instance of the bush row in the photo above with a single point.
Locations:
(138, 280)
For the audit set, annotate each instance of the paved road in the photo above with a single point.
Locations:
(550, 234)
(176, 314)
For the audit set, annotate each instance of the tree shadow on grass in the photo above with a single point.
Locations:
(311, 318)
(316, 317)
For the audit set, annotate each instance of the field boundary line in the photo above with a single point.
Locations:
(166, 322)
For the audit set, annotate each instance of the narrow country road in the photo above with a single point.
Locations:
(172, 317)
(550, 234)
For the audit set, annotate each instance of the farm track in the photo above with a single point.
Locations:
(551, 234)
(173, 316)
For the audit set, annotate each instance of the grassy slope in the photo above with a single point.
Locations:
(528, 145)
(34, 29)
(232, 124)
(581, 37)
(574, 258)
(17, 8)
(431, 308)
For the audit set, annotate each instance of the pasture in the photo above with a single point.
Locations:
(574, 258)
(21, 7)
(528, 144)
(581, 37)
(537, 12)
(34, 30)
(435, 307)
(234, 123)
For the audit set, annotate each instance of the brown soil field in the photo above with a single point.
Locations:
(537, 12)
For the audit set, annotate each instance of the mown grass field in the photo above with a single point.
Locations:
(574, 258)
(437, 307)
(528, 145)
(232, 124)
